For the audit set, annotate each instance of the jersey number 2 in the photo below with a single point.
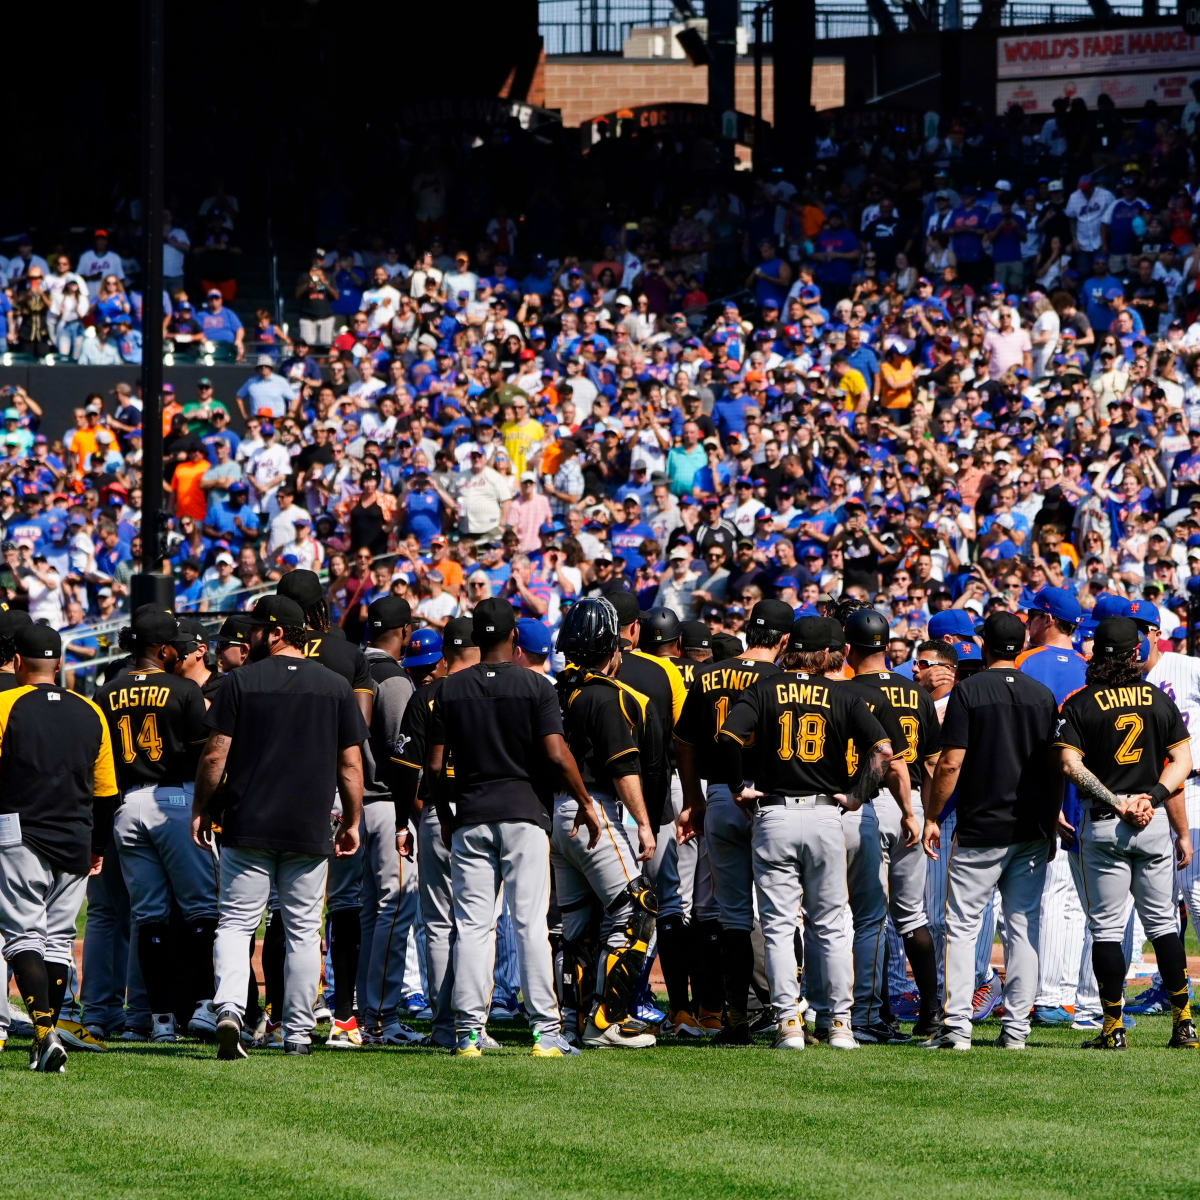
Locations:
(809, 742)
(1129, 751)
(147, 738)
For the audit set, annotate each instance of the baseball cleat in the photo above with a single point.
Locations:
(987, 996)
(840, 1037)
(1084, 1022)
(229, 1036)
(134, 1035)
(1183, 1036)
(789, 1035)
(551, 1045)
(162, 1028)
(203, 1022)
(431, 1042)
(396, 1033)
(1153, 1000)
(683, 1025)
(417, 1007)
(761, 1021)
(506, 1008)
(1107, 1041)
(925, 1027)
(1010, 1041)
(47, 1054)
(945, 1039)
(1056, 1015)
(321, 1009)
(297, 1049)
(20, 1027)
(272, 1036)
(880, 1034)
(733, 1035)
(906, 1006)
(343, 1035)
(80, 1037)
(468, 1046)
(649, 1014)
(614, 1037)
(710, 1022)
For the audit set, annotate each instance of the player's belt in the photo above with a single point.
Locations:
(778, 801)
(1101, 812)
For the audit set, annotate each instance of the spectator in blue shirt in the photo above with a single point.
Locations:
(265, 391)
(968, 224)
(221, 324)
(1005, 235)
(423, 510)
(1095, 291)
(835, 250)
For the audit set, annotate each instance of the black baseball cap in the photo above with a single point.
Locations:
(809, 633)
(154, 628)
(301, 586)
(776, 615)
(696, 636)
(458, 632)
(492, 621)
(1115, 637)
(725, 646)
(1003, 633)
(191, 634)
(37, 641)
(388, 612)
(836, 634)
(626, 605)
(235, 629)
(277, 610)
(12, 619)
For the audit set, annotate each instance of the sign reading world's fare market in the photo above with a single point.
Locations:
(1162, 48)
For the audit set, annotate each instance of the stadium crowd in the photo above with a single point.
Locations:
(955, 370)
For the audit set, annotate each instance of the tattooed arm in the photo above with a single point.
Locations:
(1135, 809)
(875, 770)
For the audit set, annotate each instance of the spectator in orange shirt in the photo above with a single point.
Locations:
(896, 378)
(184, 483)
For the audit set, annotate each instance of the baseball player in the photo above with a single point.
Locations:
(996, 740)
(428, 659)
(909, 718)
(284, 733)
(1054, 615)
(1179, 677)
(343, 898)
(804, 728)
(156, 725)
(233, 644)
(708, 802)
(57, 790)
(389, 906)
(659, 680)
(1126, 748)
(193, 660)
(502, 728)
(607, 907)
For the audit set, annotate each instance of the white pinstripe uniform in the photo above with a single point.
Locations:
(1179, 676)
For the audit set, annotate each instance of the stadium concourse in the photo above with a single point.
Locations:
(933, 376)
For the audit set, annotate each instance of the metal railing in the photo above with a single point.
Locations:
(601, 26)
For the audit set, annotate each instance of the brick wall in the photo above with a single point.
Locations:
(586, 87)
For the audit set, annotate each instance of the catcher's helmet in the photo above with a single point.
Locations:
(589, 632)
(866, 629)
(659, 625)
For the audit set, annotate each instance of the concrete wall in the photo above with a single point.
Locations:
(583, 87)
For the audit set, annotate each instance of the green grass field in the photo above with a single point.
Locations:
(679, 1121)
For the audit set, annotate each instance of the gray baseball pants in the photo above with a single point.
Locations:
(866, 882)
(905, 864)
(482, 857)
(247, 876)
(153, 833)
(1119, 860)
(436, 900)
(39, 904)
(389, 908)
(1020, 874)
(728, 833)
(800, 856)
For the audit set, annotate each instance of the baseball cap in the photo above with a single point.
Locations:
(234, 629)
(680, 553)
(458, 632)
(808, 633)
(388, 612)
(37, 641)
(1057, 603)
(1003, 633)
(278, 610)
(1115, 636)
(492, 621)
(775, 615)
(1108, 605)
(626, 606)
(533, 637)
(696, 636)
(951, 622)
(154, 628)
(302, 587)
(1142, 612)
(264, 360)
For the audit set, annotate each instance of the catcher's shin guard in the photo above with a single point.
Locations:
(623, 964)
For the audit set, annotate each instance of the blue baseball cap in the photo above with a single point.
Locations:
(785, 581)
(951, 622)
(424, 648)
(1108, 605)
(1057, 603)
(967, 651)
(532, 636)
(1144, 613)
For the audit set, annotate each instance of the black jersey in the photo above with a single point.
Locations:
(156, 722)
(492, 718)
(211, 686)
(687, 670)
(1123, 733)
(803, 728)
(607, 723)
(339, 656)
(906, 713)
(657, 679)
(715, 687)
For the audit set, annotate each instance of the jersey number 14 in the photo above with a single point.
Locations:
(147, 738)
